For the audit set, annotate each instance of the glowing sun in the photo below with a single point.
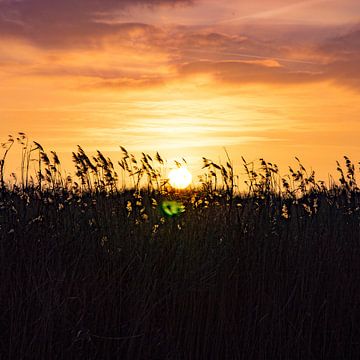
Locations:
(180, 178)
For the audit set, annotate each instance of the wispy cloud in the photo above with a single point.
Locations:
(274, 12)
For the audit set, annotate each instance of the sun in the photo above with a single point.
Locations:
(180, 178)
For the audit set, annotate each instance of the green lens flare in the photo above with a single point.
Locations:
(172, 208)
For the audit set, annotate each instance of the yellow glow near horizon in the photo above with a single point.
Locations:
(180, 178)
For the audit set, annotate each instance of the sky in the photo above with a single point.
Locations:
(269, 79)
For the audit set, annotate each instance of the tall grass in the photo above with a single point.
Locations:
(91, 268)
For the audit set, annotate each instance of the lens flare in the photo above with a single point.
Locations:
(172, 208)
(180, 178)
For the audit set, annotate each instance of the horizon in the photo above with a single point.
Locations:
(34, 161)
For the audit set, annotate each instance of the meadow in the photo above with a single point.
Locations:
(115, 264)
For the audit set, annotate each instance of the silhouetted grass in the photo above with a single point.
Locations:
(91, 269)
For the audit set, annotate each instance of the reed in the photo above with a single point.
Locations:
(93, 268)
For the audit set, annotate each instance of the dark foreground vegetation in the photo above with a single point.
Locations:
(91, 270)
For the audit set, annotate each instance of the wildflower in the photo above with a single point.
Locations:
(92, 222)
(284, 212)
(103, 240)
(315, 206)
(307, 208)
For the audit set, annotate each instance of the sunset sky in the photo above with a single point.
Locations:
(263, 78)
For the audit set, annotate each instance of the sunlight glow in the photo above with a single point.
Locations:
(180, 178)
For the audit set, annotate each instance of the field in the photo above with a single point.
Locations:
(92, 268)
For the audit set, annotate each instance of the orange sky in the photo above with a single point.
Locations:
(271, 78)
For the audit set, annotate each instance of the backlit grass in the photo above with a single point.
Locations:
(93, 267)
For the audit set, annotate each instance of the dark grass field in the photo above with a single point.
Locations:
(92, 271)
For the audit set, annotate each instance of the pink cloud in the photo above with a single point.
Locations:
(265, 53)
(57, 22)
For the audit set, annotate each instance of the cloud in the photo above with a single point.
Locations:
(342, 46)
(335, 59)
(245, 72)
(298, 12)
(343, 54)
(81, 40)
(121, 83)
(59, 22)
